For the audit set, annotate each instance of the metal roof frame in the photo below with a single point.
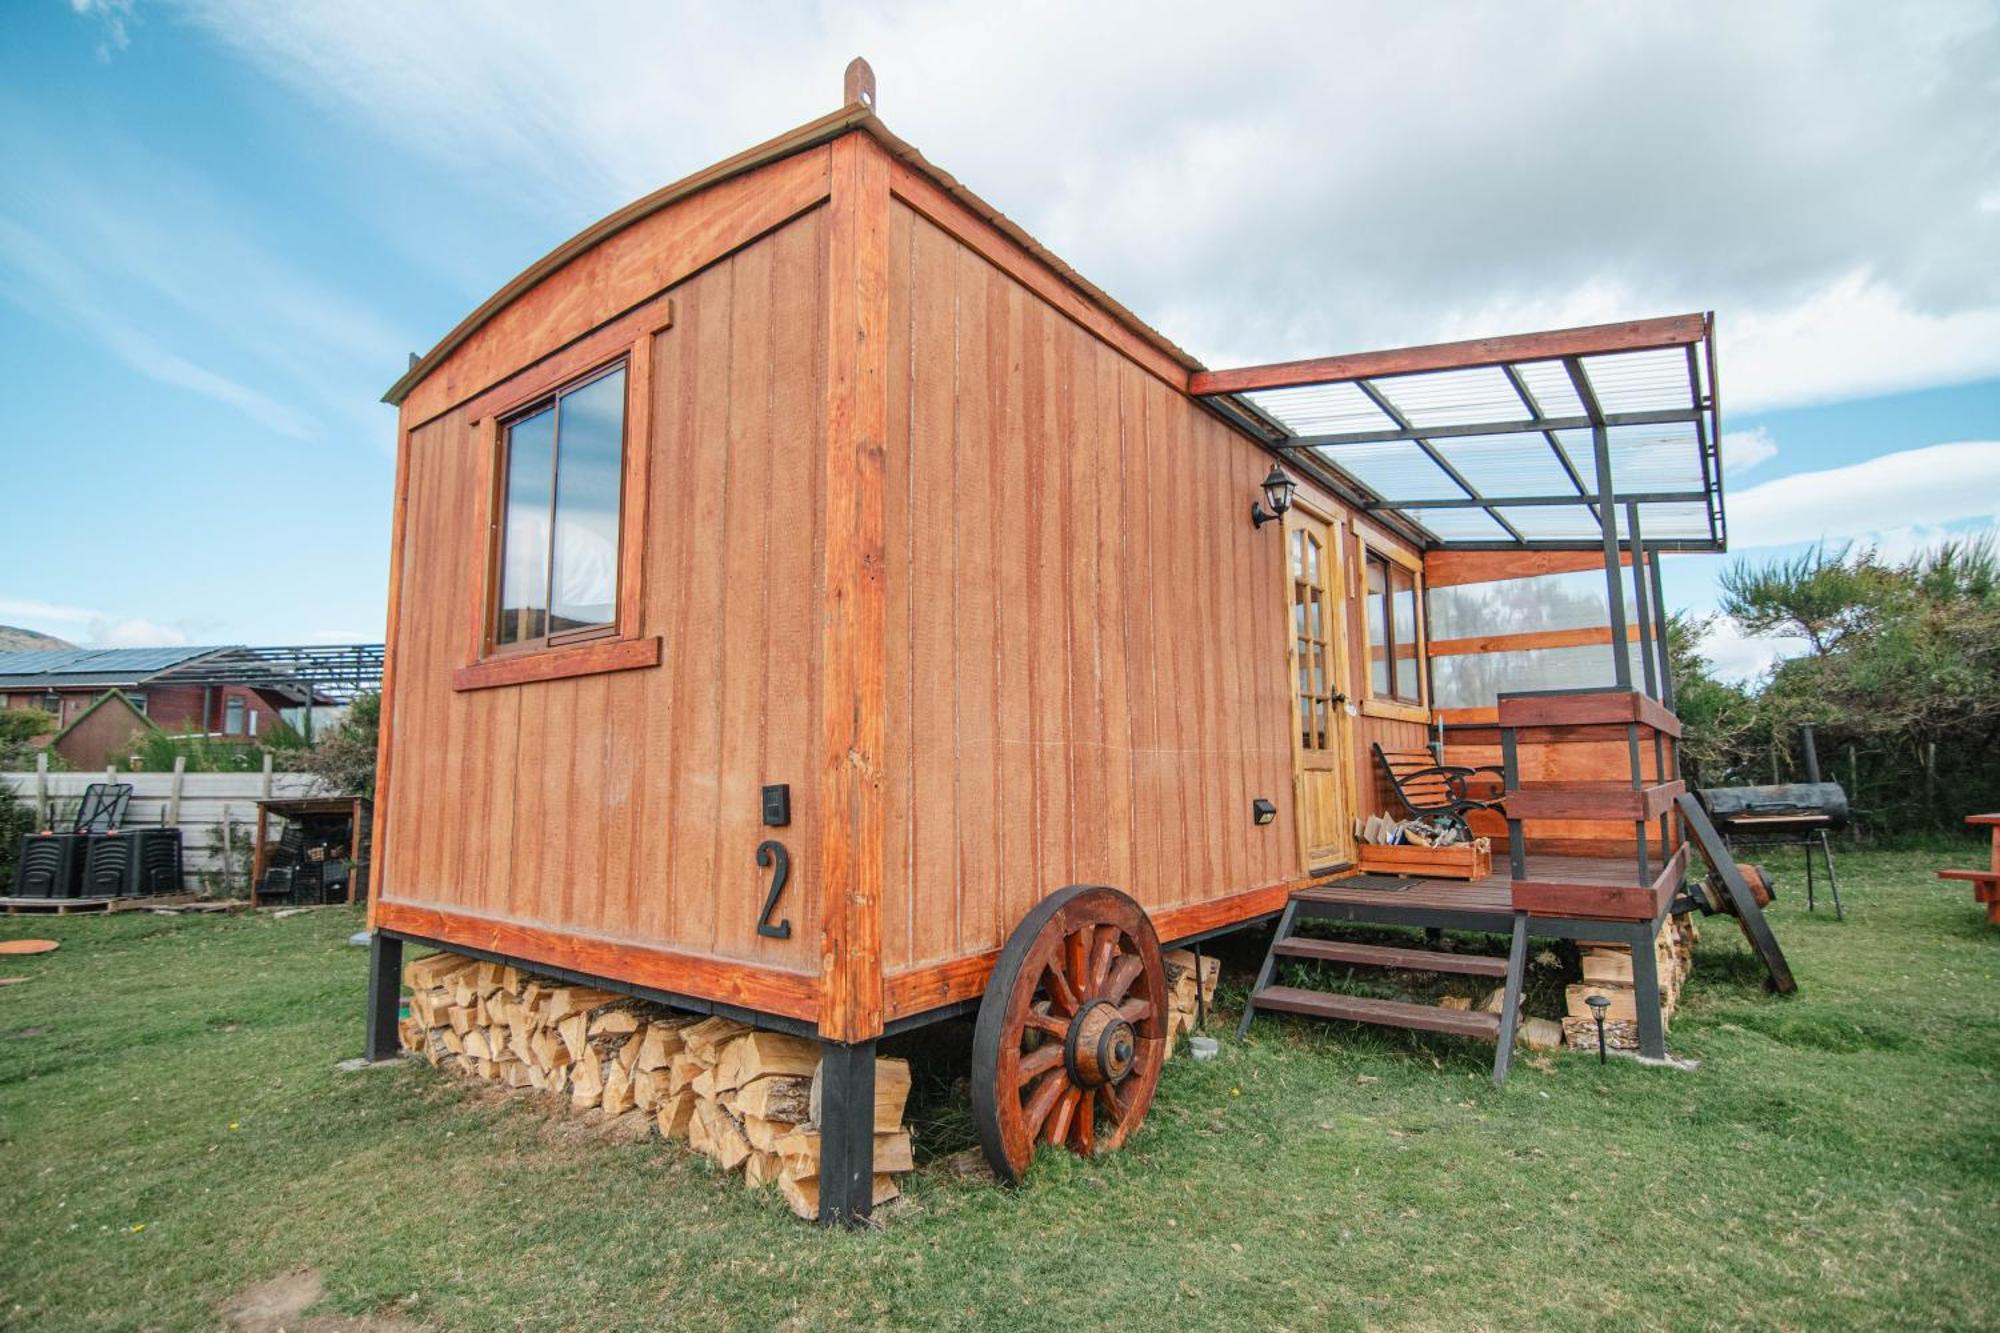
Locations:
(1419, 423)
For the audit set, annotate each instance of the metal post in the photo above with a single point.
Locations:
(1660, 623)
(846, 1132)
(385, 993)
(1510, 1002)
(1809, 751)
(1646, 994)
(1510, 770)
(1640, 612)
(1614, 581)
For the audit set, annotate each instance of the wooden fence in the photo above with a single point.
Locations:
(216, 812)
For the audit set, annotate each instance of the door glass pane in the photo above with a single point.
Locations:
(1403, 605)
(584, 580)
(524, 554)
(1378, 626)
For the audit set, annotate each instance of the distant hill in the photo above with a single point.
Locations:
(14, 639)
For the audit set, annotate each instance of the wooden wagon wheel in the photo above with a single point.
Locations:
(1072, 1029)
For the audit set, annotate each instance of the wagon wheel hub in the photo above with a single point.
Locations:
(1101, 1046)
(1072, 1030)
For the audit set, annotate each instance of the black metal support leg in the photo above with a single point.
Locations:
(1646, 995)
(1283, 932)
(1832, 884)
(385, 993)
(846, 1133)
(1810, 905)
(1510, 1005)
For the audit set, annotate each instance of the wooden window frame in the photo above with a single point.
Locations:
(620, 645)
(503, 471)
(1373, 704)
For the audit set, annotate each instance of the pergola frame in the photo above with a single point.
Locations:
(1616, 515)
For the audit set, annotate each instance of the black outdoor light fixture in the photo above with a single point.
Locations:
(1262, 811)
(1598, 1004)
(1278, 490)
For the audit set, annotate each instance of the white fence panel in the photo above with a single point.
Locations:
(208, 802)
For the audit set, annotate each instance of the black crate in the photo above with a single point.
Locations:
(133, 863)
(50, 865)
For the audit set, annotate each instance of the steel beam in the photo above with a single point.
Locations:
(846, 1132)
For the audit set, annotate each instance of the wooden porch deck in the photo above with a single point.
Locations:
(1480, 904)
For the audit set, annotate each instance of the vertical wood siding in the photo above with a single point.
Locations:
(1085, 642)
(624, 806)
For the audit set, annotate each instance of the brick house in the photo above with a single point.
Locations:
(68, 681)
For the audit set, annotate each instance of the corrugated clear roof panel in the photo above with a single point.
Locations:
(1671, 522)
(1655, 458)
(1396, 470)
(1650, 381)
(1555, 523)
(1507, 464)
(1549, 383)
(1322, 409)
(1462, 525)
(1454, 397)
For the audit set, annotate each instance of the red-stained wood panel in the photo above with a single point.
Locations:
(1086, 642)
(622, 805)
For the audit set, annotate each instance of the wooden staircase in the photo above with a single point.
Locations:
(1476, 1023)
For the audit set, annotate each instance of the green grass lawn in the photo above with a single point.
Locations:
(173, 1129)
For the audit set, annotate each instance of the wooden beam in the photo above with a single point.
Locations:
(1630, 336)
(584, 659)
(1583, 637)
(1451, 569)
(854, 613)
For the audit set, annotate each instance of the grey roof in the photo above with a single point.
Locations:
(71, 668)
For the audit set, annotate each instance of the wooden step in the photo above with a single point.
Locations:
(1382, 1013)
(1375, 955)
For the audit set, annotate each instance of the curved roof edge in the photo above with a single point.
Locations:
(855, 116)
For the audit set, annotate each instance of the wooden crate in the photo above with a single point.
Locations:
(1472, 860)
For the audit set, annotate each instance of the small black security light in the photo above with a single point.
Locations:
(1262, 811)
(1278, 490)
(1598, 1004)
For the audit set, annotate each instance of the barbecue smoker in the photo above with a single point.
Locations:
(1791, 814)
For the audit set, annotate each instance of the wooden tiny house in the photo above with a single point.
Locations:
(801, 576)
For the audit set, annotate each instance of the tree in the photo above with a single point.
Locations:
(19, 729)
(1905, 670)
(1819, 596)
(344, 758)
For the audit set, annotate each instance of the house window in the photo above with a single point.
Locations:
(232, 718)
(138, 702)
(52, 703)
(563, 459)
(1394, 670)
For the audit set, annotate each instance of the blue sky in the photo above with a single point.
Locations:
(226, 225)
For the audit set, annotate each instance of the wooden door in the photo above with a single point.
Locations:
(1322, 744)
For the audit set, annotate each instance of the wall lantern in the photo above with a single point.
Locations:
(1262, 811)
(1278, 490)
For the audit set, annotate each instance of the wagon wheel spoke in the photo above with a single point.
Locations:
(1101, 954)
(1036, 1113)
(1061, 996)
(1135, 1011)
(1056, 1130)
(1037, 1021)
(1108, 1094)
(1123, 973)
(1086, 1125)
(1078, 949)
(1038, 1062)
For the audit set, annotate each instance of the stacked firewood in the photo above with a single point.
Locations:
(1181, 982)
(743, 1097)
(1607, 971)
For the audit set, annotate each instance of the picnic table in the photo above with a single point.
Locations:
(1985, 883)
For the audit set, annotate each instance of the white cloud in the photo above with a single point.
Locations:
(1735, 656)
(19, 609)
(133, 633)
(1894, 500)
(1745, 449)
(1300, 180)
